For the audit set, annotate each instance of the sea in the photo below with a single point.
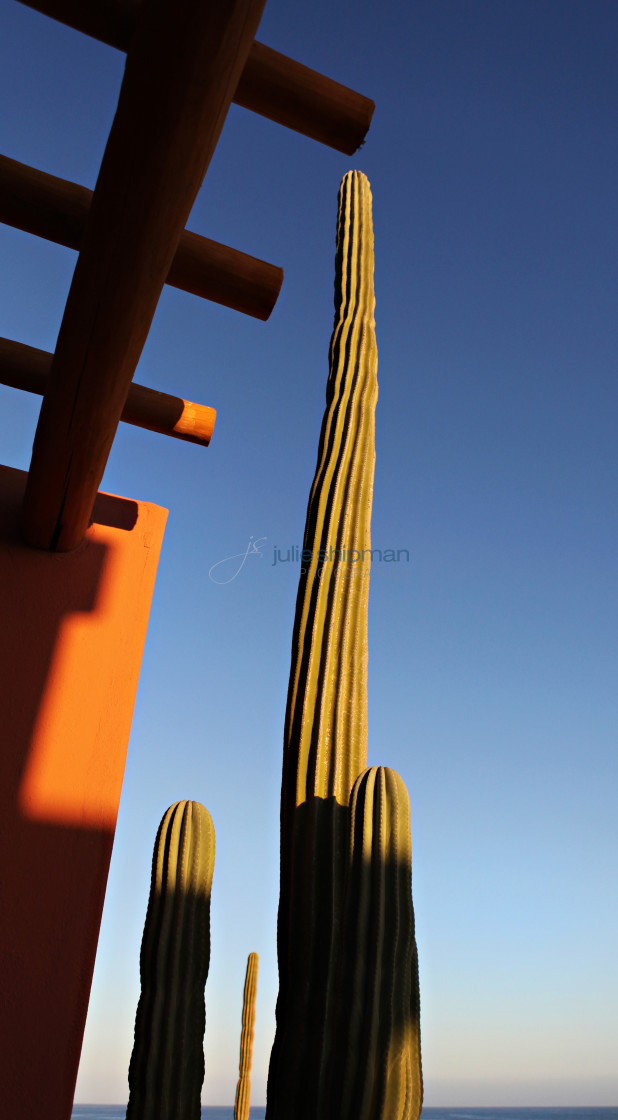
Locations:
(117, 1112)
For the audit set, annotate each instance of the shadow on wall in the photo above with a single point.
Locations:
(72, 634)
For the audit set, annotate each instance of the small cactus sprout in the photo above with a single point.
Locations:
(376, 1063)
(243, 1089)
(325, 737)
(167, 1064)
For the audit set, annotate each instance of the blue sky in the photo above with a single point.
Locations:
(492, 653)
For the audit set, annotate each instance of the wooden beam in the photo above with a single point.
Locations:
(109, 21)
(184, 62)
(57, 210)
(304, 100)
(271, 84)
(25, 367)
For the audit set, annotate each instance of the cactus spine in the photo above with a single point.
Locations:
(376, 1063)
(167, 1063)
(325, 738)
(243, 1089)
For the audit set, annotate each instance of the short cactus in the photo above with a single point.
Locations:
(376, 1060)
(325, 738)
(243, 1089)
(167, 1064)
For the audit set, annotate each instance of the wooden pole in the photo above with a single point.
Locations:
(57, 210)
(271, 84)
(25, 367)
(304, 100)
(182, 68)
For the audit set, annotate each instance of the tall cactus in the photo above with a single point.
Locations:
(325, 738)
(376, 1058)
(243, 1089)
(167, 1064)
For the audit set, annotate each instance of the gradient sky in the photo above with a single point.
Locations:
(492, 667)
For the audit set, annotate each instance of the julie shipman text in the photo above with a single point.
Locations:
(345, 555)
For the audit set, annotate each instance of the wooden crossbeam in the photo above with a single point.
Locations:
(26, 367)
(57, 210)
(304, 100)
(183, 66)
(271, 84)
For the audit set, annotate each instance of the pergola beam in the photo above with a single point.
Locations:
(57, 209)
(27, 368)
(304, 100)
(271, 84)
(182, 69)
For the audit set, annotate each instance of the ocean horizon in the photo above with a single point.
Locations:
(453, 1112)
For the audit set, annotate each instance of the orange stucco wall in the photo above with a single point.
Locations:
(71, 639)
